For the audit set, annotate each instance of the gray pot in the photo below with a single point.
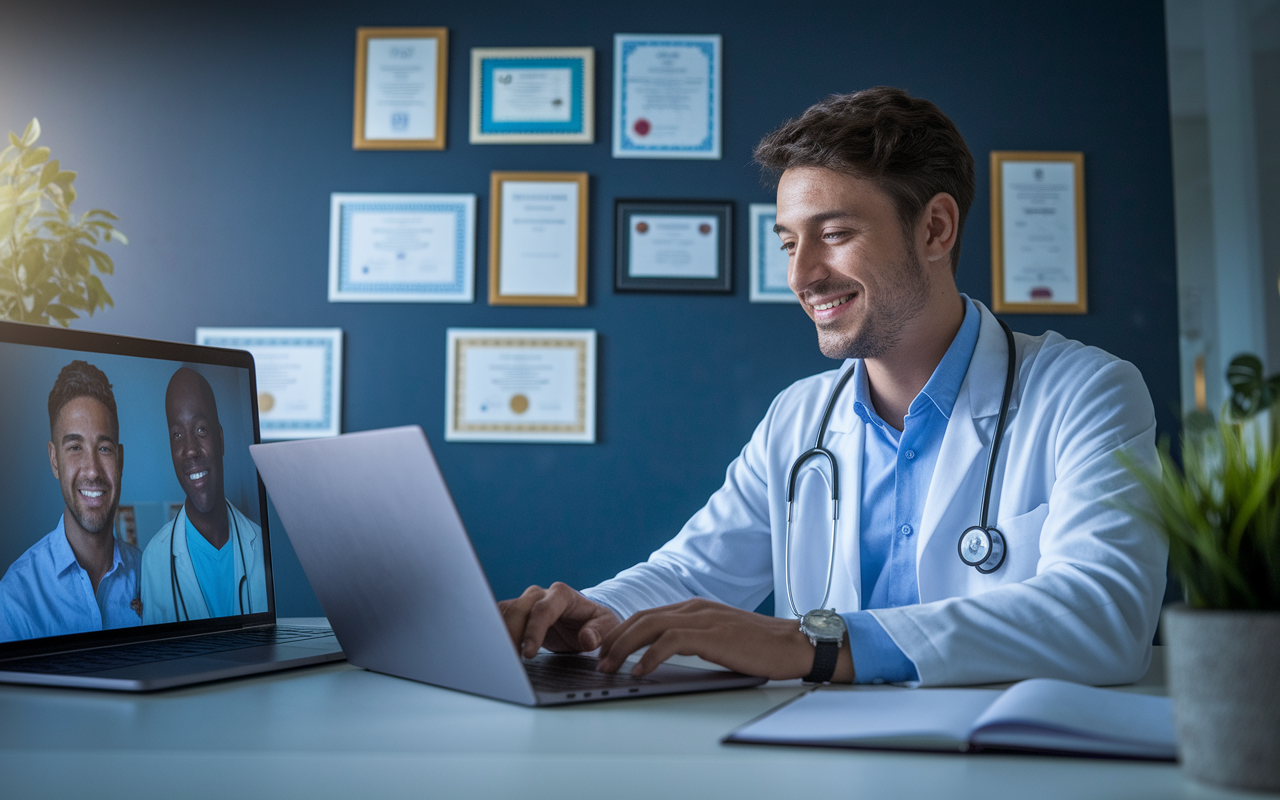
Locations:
(1224, 678)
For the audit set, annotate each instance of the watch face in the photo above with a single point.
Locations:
(823, 624)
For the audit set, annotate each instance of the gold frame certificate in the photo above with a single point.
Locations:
(1037, 233)
(538, 239)
(401, 82)
(517, 385)
(299, 377)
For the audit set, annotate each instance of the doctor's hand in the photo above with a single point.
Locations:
(743, 641)
(559, 618)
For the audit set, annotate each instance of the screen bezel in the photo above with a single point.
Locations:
(86, 341)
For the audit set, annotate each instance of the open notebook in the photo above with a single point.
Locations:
(1041, 715)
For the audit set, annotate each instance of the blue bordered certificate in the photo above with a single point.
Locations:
(533, 95)
(299, 376)
(666, 96)
(516, 385)
(768, 259)
(394, 248)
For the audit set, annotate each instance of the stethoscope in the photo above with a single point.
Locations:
(981, 546)
(175, 586)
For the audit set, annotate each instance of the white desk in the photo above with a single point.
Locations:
(341, 732)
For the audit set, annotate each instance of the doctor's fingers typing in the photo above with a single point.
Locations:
(744, 641)
(558, 617)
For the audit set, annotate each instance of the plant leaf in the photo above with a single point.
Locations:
(34, 156)
(32, 132)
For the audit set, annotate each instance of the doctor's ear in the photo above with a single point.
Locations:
(938, 228)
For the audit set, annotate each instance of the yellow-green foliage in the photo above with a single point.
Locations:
(48, 256)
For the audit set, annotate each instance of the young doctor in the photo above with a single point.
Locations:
(871, 489)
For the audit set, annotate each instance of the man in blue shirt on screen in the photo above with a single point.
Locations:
(79, 577)
(904, 579)
(208, 561)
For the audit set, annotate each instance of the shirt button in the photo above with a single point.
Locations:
(911, 454)
(906, 530)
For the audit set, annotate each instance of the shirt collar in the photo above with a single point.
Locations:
(944, 385)
(64, 558)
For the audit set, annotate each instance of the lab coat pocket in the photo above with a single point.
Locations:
(1022, 544)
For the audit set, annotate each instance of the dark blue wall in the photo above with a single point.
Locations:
(217, 134)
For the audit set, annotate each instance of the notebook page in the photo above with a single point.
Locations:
(881, 716)
(1086, 712)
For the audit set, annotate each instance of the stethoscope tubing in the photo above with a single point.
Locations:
(819, 451)
(175, 585)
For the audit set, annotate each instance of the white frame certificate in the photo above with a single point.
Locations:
(532, 95)
(538, 239)
(666, 96)
(299, 377)
(516, 385)
(769, 262)
(400, 248)
(401, 83)
(1037, 233)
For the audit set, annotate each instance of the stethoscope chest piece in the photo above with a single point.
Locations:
(982, 548)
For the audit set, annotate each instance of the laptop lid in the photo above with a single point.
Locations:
(125, 473)
(380, 539)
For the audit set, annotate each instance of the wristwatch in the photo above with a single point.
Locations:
(825, 628)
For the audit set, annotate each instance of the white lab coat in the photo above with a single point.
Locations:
(157, 585)
(1079, 594)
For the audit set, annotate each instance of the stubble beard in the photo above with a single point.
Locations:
(879, 328)
(91, 522)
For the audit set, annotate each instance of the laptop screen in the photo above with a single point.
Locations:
(130, 503)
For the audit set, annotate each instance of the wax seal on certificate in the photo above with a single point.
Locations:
(704, 229)
(642, 127)
(642, 227)
(266, 402)
(519, 404)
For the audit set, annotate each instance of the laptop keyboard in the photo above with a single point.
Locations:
(563, 673)
(150, 652)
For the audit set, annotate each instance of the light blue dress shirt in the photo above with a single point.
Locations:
(897, 467)
(47, 593)
(215, 572)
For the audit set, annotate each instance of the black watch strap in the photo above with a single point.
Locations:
(825, 654)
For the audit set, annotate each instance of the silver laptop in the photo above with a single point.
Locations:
(141, 573)
(376, 530)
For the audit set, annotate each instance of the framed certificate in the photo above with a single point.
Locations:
(673, 245)
(666, 96)
(769, 261)
(538, 239)
(511, 385)
(1037, 233)
(535, 95)
(299, 374)
(397, 248)
(400, 88)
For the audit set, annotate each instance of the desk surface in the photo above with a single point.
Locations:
(339, 731)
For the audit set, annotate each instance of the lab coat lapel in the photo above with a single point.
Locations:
(192, 599)
(955, 492)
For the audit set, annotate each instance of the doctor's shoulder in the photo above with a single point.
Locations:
(1064, 377)
(804, 399)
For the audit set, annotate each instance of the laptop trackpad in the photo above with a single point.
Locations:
(278, 652)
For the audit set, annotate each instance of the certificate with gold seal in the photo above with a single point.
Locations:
(298, 373)
(520, 385)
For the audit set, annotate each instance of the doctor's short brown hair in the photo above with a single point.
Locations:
(904, 145)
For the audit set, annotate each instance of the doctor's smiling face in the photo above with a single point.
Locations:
(856, 273)
(195, 440)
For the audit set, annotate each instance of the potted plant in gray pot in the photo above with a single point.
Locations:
(1221, 514)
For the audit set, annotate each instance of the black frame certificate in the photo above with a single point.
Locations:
(1037, 233)
(515, 385)
(674, 245)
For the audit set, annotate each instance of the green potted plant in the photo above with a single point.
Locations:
(48, 256)
(1221, 513)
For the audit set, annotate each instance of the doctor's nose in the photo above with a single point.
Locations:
(804, 268)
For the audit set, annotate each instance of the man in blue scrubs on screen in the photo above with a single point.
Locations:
(208, 561)
(79, 577)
